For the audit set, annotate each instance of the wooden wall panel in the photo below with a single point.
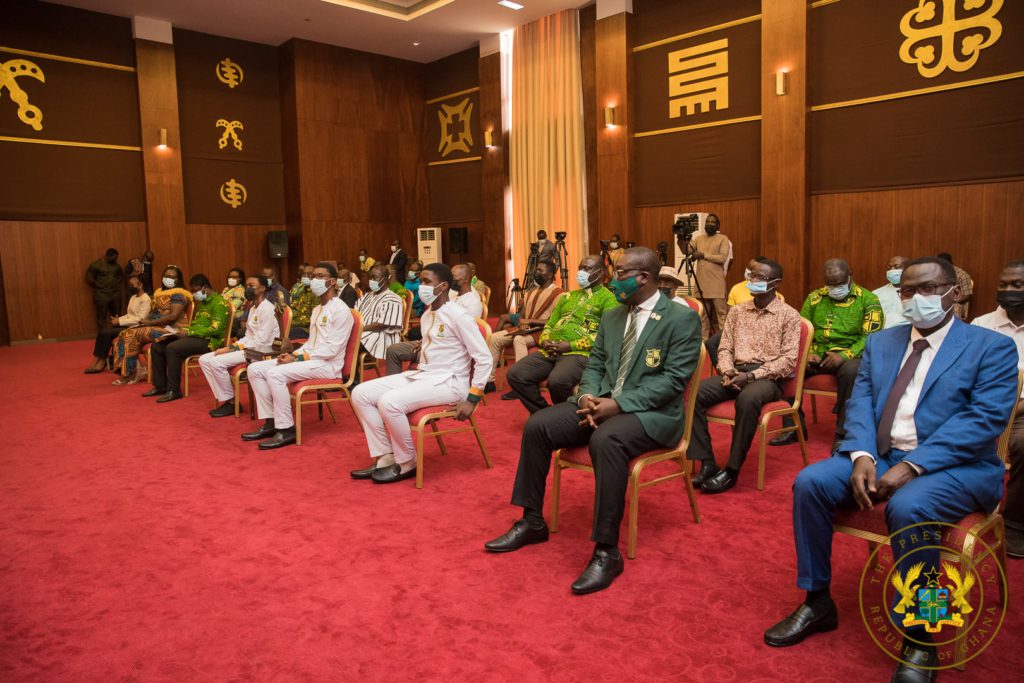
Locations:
(614, 63)
(978, 224)
(588, 66)
(44, 268)
(491, 238)
(215, 249)
(485, 251)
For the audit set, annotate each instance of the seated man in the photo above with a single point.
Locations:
(566, 340)
(463, 292)
(1008, 319)
(843, 314)
(930, 401)
(889, 293)
(454, 369)
(759, 350)
(514, 329)
(382, 312)
(479, 285)
(346, 290)
(629, 402)
(669, 283)
(737, 295)
(280, 295)
(321, 357)
(303, 300)
(211, 323)
(261, 330)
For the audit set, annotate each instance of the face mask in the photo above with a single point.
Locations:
(306, 280)
(199, 296)
(270, 282)
(711, 229)
(232, 282)
(1010, 300)
(374, 286)
(250, 294)
(757, 287)
(540, 279)
(667, 291)
(624, 289)
(319, 286)
(362, 259)
(893, 276)
(614, 245)
(427, 294)
(411, 275)
(583, 279)
(542, 240)
(839, 292)
(924, 311)
(168, 282)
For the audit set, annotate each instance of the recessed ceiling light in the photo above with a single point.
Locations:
(510, 4)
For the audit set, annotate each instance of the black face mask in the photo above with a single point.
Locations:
(250, 293)
(540, 279)
(711, 229)
(667, 291)
(1010, 300)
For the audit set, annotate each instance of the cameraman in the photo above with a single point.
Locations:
(545, 249)
(710, 250)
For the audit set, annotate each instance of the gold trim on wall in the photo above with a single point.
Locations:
(453, 161)
(453, 94)
(60, 58)
(919, 91)
(822, 3)
(69, 143)
(711, 124)
(392, 11)
(698, 32)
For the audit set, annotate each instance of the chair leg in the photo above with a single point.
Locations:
(685, 466)
(298, 420)
(320, 405)
(419, 456)
(634, 512)
(330, 410)
(814, 408)
(762, 449)
(801, 439)
(480, 441)
(556, 493)
(440, 439)
(184, 389)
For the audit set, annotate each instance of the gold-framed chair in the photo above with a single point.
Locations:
(328, 391)
(407, 314)
(189, 312)
(192, 362)
(429, 416)
(578, 458)
(820, 385)
(793, 387)
(238, 373)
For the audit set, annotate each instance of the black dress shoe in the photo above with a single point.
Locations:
(911, 668)
(802, 623)
(784, 439)
(604, 566)
(92, 371)
(284, 437)
(226, 410)
(391, 474)
(170, 396)
(364, 473)
(264, 432)
(510, 396)
(489, 388)
(708, 469)
(721, 482)
(155, 391)
(515, 538)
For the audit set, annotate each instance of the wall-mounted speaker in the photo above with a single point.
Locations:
(458, 240)
(277, 243)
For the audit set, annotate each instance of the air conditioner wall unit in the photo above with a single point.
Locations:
(428, 245)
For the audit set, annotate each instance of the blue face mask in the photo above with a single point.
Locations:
(624, 289)
(583, 279)
(412, 275)
(893, 276)
(759, 286)
(839, 292)
(924, 311)
(306, 281)
(199, 296)
(374, 285)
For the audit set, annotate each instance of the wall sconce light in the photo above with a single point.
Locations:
(780, 82)
(163, 139)
(488, 139)
(610, 120)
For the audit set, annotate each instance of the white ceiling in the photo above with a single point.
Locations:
(454, 27)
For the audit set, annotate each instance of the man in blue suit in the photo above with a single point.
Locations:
(928, 406)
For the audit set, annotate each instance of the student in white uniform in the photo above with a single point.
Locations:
(452, 350)
(322, 357)
(261, 329)
(463, 292)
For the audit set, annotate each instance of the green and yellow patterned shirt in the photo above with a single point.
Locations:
(236, 295)
(842, 326)
(210, 320)
(303, 302)
(398, 289)
(576, 317)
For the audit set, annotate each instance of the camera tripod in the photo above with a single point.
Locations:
(695, 287)
(531, 267)
(561, 259)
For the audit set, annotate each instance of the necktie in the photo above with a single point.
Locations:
(625, 358)
(898, 389)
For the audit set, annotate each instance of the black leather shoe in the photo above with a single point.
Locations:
(169, 396)
(510, 396)
(364, 473)
(226, 410)
(515, 538)
(784, 439)
(155, 391)
(284, 437)
(708, 469)
(489, 388)
(720, 483)
(1014, 543)
(604, 566)
(264, 432)
(802, 623)
(911, 668)
(391, 474)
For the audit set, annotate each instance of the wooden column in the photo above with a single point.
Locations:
(614, 64)
(784, 195)
(165, 196)
(495, 170)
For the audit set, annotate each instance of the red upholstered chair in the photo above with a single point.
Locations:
(327, 391)
(820, 385)
(429, 416)
(578, 458)
(238, 373)
(192, 362)
(725, 413)
(696, 305)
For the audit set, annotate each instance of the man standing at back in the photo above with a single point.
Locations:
(711, 250)
(104, 276)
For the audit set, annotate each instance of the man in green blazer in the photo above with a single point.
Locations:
(629, 402)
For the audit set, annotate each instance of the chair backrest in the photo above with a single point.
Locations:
(696, 305)
(231, 320)
(348, 371)
(1003, 445)
(486, 298)
(407, 313)
(485, 329)
(794, 386)
(690, 398)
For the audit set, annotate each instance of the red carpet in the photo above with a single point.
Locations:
(148, 542)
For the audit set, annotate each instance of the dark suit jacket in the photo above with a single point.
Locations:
(965, 403)
(400, 261)
(664, 359)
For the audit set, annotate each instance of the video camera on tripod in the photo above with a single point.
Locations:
(685, 225)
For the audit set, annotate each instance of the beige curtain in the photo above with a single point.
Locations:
(547, 167)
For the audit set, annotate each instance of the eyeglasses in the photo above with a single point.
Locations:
(620, 272)
(754, 277)
(927, 289)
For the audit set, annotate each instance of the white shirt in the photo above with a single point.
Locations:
(998, 321)
(643, 313)
(892, 306)
(384, 307)
(330, 325)
(394, 255)
(470, 301)
(452, 350)
(904, 432)
(138, 309)
(261, 328)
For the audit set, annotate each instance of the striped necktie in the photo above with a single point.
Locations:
(626, 357)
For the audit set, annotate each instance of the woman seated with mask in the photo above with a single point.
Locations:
(235, 293)
(169, 312)
(138, 309)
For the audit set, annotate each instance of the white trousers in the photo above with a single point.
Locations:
(217, 370)
(500, 341)
(383, 406)
(269, 382)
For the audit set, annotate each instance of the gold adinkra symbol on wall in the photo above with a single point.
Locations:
(229, 131)
(9, 73)
(455, 129)
(959, 35)
(233, 193)
(701, 79)
(229, 72)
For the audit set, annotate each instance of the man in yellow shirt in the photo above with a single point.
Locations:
(739, 293)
